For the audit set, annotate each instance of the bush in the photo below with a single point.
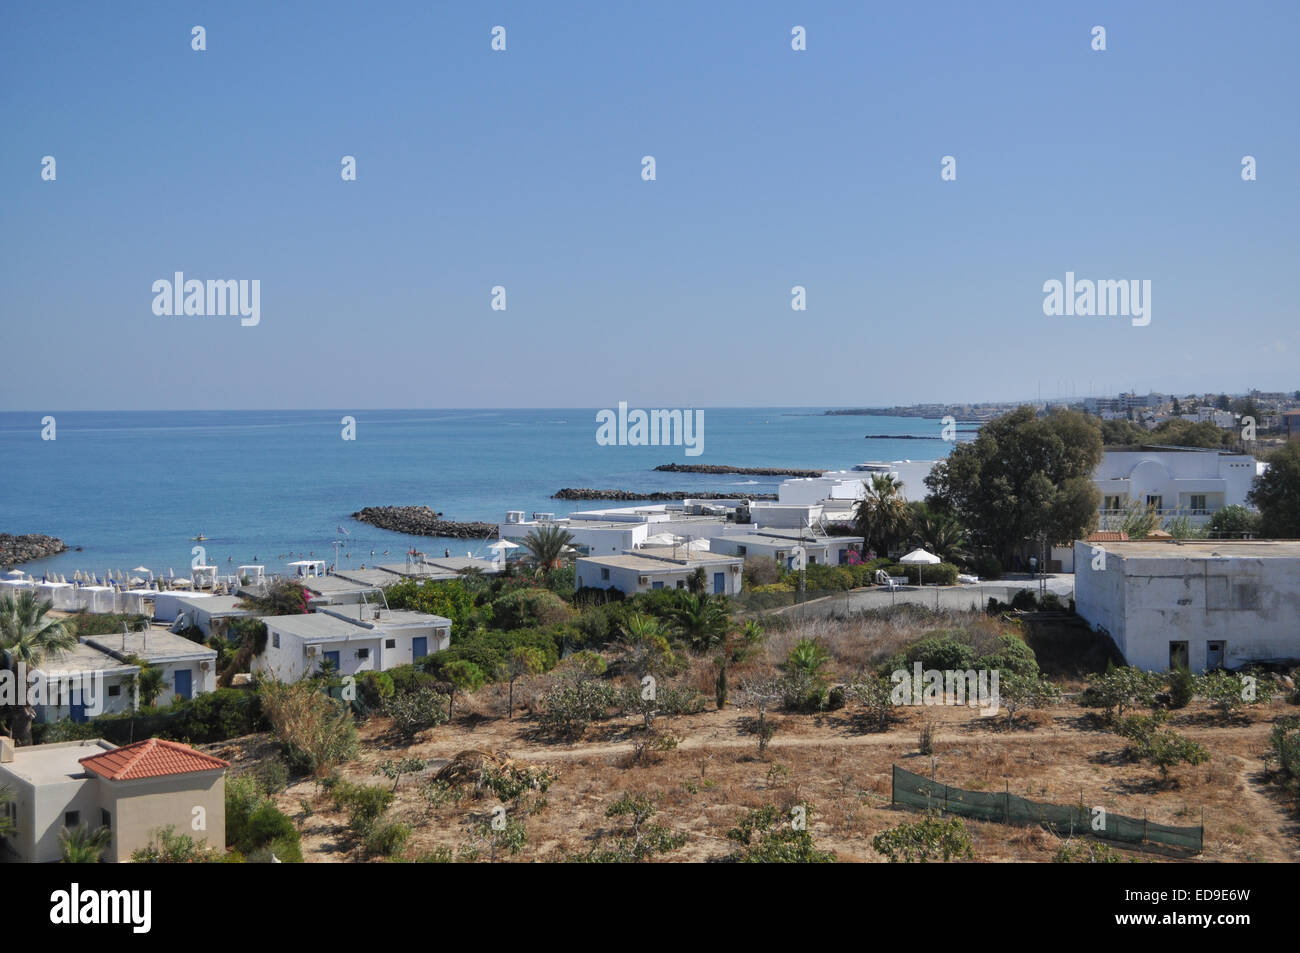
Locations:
(374, 689)
(450, 599)
(760, 571)
(315, 733)
(387, 839)
(929, 839)
(488, 651)
(413, 712)
(528, 608)
(364, 803)
(570, 707)
(253, 822)
(1012, 655)
(1182, 688)
(935, 652)
(409, 678)
(942, 574)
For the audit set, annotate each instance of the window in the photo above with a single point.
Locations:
(1198, 501)
(275, 639)
(604, 574)
(363, 653)
(114, 691)
(390, 643)
(681, 583)
(106, 819)
(72, 819)
(1178, 655)
(1156, 502)
(741, 550)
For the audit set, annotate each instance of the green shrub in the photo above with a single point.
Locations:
(1182, 688)
(942, 574)
(488, 651)
(449, 598)
(413, 712)
(569, 707)
(409, 678)
(364, 804)
(934, 652)
(1012, 655)
(931, 838)
(528, 608)
(386, 839)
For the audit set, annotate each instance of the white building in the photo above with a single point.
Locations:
(1205, 603)
(652, 568)
(189, 668)
(210, 614)
(1177, 481)
(83, 683)
(355, 638)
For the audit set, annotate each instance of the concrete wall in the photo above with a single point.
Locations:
(123, 701)
(139, 808)
(288, 663)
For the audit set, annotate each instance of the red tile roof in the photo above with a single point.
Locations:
(154, 758)
(1108, 536)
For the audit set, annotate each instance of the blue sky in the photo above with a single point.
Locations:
(775, 168)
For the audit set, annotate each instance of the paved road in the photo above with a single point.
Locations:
(946, 597)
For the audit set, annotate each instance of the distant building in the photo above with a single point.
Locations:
(189, 668)
(1291, 424)
(1176, 481)
(134, 791)
(651, 568)
(1205, 604)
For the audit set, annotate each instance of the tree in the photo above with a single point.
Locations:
(940, 533)
(415, 710)
(150, 682)
(1023, 482)
(546, 546)
(700, 620)
(1222, 402)
(465, 677)
(522, 660)
(638, 839)
(393, 770)
(282, 597)
(1136, 519)
(1024, 691)
(1228, 691)
(766, 837)
(735, 648)
(875, 692)
(1276, 494)
(645, 643)
(925, 840)
(28, 637)
(882, 517)
(81, 845)
(1233, 522)
(1120, 688)
(762, 694)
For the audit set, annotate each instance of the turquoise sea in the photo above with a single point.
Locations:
(132, 488)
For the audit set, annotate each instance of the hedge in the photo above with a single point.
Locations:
(213, 716)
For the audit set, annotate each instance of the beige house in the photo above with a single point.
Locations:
(133, 790)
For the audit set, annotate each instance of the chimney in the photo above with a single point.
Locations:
(6, 749)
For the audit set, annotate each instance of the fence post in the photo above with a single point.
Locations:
(1006, 803)
(1144, 825)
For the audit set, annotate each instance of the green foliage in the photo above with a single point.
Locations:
(570, 706)
(1285, 742)
(637, 840)
(883, 518)
(282, 597)
(364, 804)
(210, 717)
(315, 733)
(490, 651)
(393, 770)
(1233, 522)
(386, 839)
(1023, 478)
(415, 711)
(1024, 691)
(700, 620)
(1276, 494)
(168, 847)
(8, 826)
(449, 599)
(1121, 688)
(81, 845)
(105, 623)
(253, 822)
(1228, 691)
(1182, 688)
(768, 837)
(530, 608)
(940, 574)
(1150, 741)
(546, 546)
(922, 841)
(761, 571)
(944, 653)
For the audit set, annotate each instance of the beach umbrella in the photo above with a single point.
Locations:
(918, 558)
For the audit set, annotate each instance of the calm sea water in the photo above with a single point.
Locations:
(132, 488)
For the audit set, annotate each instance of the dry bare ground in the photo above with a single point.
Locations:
(831, 762)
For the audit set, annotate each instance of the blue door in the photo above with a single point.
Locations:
(77, 712)
(333, 658)
(656, 585)
(419, 648)
(185, 684)
(719, 583)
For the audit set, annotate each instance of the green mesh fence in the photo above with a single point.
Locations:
(914, 791)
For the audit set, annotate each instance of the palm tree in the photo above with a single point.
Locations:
(701, 621)
(546, 545)
(81, 845)
(645, 640)
(883, 518)
(28, 636)
(940, 533)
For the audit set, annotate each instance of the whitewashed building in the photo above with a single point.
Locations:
(651, 568)
(354, 638)
(1176, 481)
(189, 668)
(1205, 603)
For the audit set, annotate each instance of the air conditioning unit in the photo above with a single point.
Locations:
(643, 580)
(203, 666)
(309, 650)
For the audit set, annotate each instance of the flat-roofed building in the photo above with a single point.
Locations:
(352, 638)
(189, 668)
(653, 568)
(1202, 603)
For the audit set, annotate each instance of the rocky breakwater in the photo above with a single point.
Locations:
(572, 493)
(744, 471)
(422, 521)
(16, 550)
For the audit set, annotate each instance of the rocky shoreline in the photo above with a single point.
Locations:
(16, 550)
(572, 493)
(422, 521)
(744, 471)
